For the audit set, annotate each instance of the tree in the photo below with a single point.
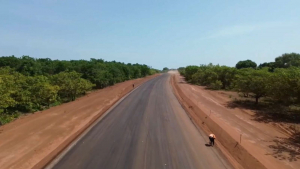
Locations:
(226, 75)
(18, 88)
(285, 85)
(71, 84)
(42, 93)
(145, 70)
(190, 71)
(287, 60)
(245, 64)
(49, 94)
(253, 81)
(213, 76)
(204, 76)
(216, 85)
(181, 70)
(284, 61)
(265, 64)
(7, 89)
(10, 61)
(165, 69)
(136, 72)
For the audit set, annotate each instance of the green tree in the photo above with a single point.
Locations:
(190, 71)
(42, 93)
(226, 75)
(71, 84)
(136, 72)
(181, 70)
(204, 76)
(284, 61)
(18, 90)
(49, 94)
(10, 61)
(246, 64)
(285, 85)
(213, 76)
(287, 60)
(216, 85)
(165, 69)
(253, 81)
(7, 89)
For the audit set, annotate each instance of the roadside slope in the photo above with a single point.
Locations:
(40, 136)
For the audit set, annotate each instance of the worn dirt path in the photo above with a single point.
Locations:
(147, 130)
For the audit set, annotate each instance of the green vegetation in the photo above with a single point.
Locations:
(277, 81)
(213, 76)
(165, 69)
(284, 61)
(253, 81)
(246, 64)
(28, 84)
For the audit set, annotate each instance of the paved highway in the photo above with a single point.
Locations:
(147, 130)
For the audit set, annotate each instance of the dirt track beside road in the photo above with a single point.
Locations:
(35, 139)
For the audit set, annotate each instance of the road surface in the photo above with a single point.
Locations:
(147, 130)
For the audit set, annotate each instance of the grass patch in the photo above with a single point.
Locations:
(6, 118)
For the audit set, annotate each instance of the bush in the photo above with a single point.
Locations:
(217, 85)
(6, 118)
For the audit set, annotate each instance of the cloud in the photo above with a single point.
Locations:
(242, 29)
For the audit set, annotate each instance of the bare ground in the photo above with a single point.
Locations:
(33, 140)
(270, 141)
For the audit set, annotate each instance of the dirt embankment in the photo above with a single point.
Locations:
(35, 139)
(224, 141)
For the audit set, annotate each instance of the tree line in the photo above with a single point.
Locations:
(28, 84)
(278, 80)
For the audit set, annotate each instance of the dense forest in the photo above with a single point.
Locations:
(279, 81)
(28, 84)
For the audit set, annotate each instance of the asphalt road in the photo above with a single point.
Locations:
(147, 130)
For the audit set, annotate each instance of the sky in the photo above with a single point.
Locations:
(159, 33)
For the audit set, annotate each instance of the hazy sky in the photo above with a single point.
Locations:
(154, 32)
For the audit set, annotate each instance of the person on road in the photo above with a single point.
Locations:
(212, 138)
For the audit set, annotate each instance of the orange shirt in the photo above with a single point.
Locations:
(212, 135)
